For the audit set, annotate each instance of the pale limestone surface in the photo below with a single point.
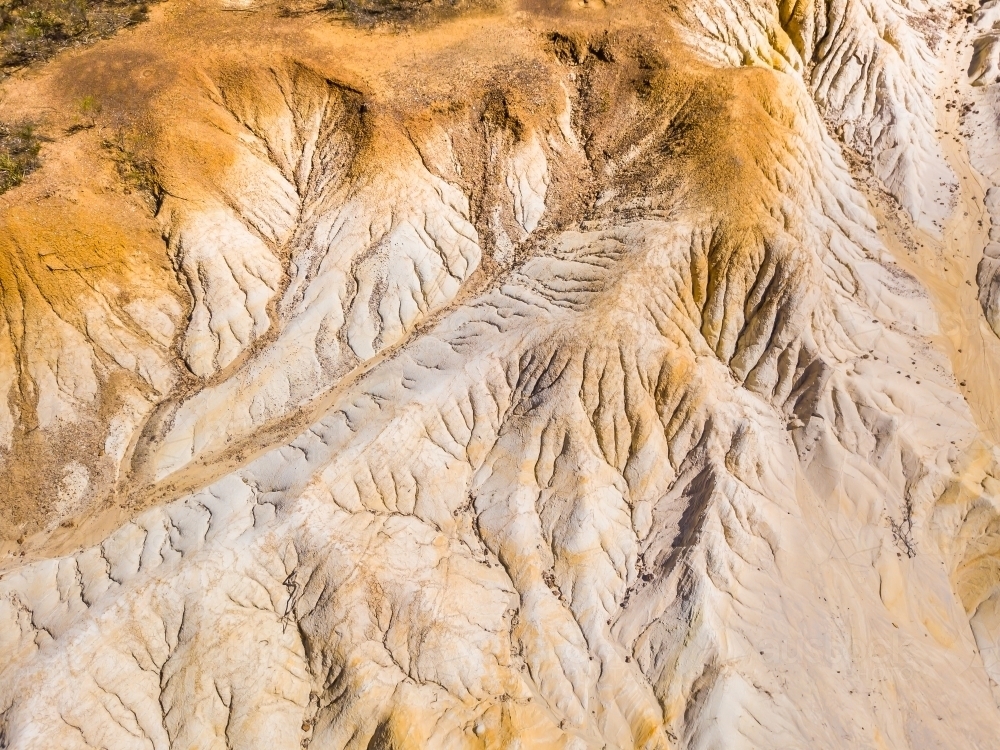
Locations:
(639, 395)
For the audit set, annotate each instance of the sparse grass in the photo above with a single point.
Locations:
(382, 12)
(19, 147)
(33, 30)
(88, 108)
(89, 105)
(135, 166)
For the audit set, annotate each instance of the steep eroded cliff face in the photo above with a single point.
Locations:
(499, 375)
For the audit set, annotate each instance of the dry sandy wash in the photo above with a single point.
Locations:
(401, 375)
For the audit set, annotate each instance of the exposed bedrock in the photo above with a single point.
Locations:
(578, 399)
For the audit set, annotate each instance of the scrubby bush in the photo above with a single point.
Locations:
(33, 30)
(19, 147)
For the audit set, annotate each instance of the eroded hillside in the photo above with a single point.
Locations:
(542, 374)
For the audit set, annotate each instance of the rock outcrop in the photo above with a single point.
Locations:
(505, 375)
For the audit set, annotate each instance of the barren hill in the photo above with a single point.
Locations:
(546, 374)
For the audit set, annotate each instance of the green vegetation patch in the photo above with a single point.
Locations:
(19, 147)
(33, 30)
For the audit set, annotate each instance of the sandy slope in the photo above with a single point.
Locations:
(529, 375)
